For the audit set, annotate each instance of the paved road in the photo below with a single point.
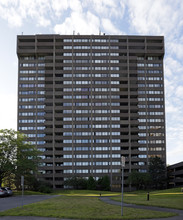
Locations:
(27, 218)
(179, 212)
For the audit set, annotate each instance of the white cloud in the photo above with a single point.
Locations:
(42, 21)
(160, 17)
(109, 27)
(179, 91)
(8, 118)
(175, 140)
(171, 109)
(75, 6)
(46, 12)
(176, 49)
(11, 15)
(83, 23)
(16, 12)
(59, 6)
(106, 8)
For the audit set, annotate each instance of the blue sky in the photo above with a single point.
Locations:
(129, 17)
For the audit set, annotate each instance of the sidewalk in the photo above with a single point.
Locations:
(153, 208)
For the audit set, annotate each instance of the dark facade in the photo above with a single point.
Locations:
(175, 175)
(87, 100)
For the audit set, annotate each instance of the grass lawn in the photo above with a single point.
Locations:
(81, 208)
(171, 198)
(85, 193)
(71, 193)
(28, 192)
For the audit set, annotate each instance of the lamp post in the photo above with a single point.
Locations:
(122, 165)
(22, 184)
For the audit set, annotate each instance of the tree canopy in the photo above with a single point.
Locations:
(17, 157)
(157, 170)
(139, 180)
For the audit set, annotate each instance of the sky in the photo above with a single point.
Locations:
(124, 17)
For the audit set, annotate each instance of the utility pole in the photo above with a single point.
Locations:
(122, 177)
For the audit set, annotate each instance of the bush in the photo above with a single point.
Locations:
(91, 183)
(76, 183)
(42, 186)
(139, 180)
(104, 183)
(45, 189)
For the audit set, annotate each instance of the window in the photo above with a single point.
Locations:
(67, 141)
(67, 156)
(142, 156)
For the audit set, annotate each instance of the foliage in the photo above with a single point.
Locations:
(157, 171)
(81, 183)
(9, 181)
(76, 182)
(139, 180)
(7, 153)
(155, 178)
(91, 183)
(104, 183)
(17, 157)
(44, 187)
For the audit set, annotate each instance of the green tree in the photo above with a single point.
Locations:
(72, 182)
(91, 183)
(7, 153)
(139, 180)
(82, 183)
(76, 182)
(104, 183)
(17, 157)
(157, 171)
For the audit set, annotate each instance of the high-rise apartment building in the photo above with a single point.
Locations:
(87, 100)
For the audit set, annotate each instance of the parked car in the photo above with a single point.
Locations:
(3, 192)
(9, 191)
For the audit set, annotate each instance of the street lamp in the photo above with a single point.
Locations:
(122, 165)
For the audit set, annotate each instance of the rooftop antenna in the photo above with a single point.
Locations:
(22, 33)
(73, 32)
(99, 32)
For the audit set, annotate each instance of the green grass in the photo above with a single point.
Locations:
(171, 198)
(70, 193)
(84, 193)
(28, 192)
(81, 208)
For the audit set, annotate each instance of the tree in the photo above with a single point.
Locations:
(82, 183)
(139, 180)
(7, 153)
(17, 157)
(76, 182)
(157, 170)
(72, 182)
(104, 183)
(91, 183)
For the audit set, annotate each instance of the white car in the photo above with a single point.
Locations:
(9, 191)
(3, 192)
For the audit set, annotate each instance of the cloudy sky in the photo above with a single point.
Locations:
(129, 17)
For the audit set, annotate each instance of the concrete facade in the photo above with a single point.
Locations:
(175, 175)
(87, 100)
